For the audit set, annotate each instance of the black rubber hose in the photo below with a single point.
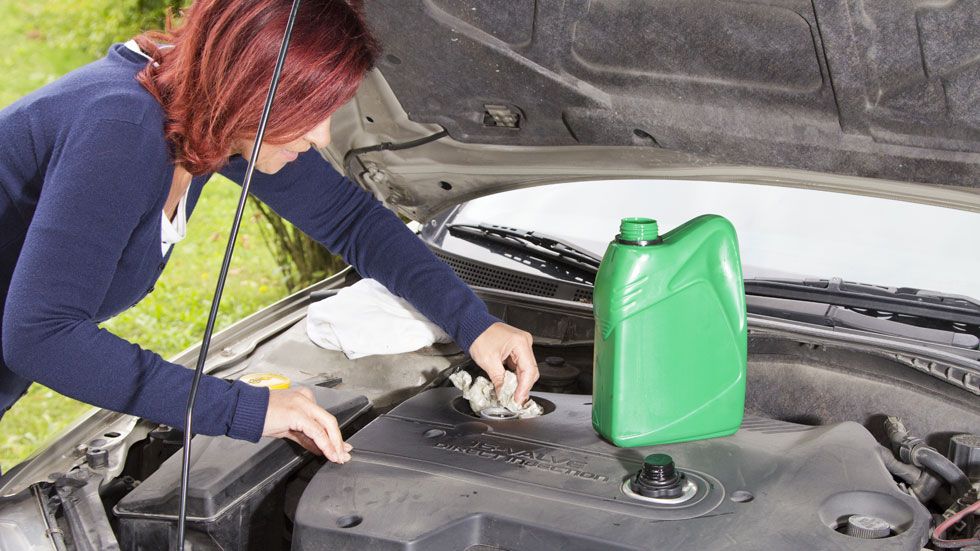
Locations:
(909, 473)
(926, 487)
(914, 450)
(898, 435)
(922, 483)
(937, 463)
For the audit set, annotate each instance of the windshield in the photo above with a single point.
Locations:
(783, 232)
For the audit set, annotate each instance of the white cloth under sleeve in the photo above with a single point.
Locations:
(367, 319)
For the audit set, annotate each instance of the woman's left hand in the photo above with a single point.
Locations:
(502, 345)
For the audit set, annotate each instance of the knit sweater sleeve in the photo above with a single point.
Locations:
(350, 222)
(90, 203)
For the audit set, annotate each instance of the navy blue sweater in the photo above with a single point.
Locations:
(84, 173)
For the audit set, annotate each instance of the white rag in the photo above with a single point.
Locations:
(481, 395)
(366, 319)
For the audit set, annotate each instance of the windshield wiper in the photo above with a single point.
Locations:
(840, 317)
(901, 301)
(542, 245)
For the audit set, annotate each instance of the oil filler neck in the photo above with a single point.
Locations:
(638, 231)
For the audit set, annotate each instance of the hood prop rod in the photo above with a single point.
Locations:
(223, 275)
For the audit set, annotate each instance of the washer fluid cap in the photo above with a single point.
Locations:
(272, 381)
(867, 528)
(964, 451)
(638, 231)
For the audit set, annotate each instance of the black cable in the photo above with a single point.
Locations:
(225, 264)
(351, 155)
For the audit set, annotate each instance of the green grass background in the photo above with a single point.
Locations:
(39, 42)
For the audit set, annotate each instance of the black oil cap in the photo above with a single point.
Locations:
(658, 478)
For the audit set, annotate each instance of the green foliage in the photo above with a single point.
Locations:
(28, 59)
(152, 14)
(89, 27)
(40, 41)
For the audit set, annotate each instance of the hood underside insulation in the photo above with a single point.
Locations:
(877, 88)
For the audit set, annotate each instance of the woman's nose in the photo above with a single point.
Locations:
(319, 136)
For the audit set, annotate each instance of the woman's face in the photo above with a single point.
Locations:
(272, 157)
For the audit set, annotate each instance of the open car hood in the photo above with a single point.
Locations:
(878, 97)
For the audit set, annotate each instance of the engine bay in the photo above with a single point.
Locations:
(816, 464)
(430, 475)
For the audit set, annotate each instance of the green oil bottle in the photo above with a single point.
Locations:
(670, 336)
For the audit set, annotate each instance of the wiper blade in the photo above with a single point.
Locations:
(543, 245)
(841, 317)
(906, 301)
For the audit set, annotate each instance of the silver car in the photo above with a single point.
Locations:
(841, 138)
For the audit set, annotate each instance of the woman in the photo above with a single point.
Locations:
(99, 170)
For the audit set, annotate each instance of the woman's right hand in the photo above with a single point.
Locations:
(294, 414)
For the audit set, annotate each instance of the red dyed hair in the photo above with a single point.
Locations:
(214, 79)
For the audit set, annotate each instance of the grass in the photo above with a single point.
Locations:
(39, 42)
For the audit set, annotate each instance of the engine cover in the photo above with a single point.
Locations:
(429, 475)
